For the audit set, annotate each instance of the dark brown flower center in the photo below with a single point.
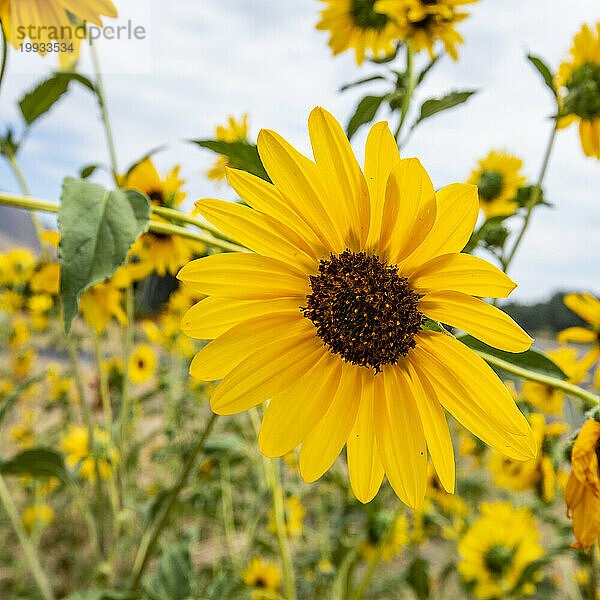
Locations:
(363, 309)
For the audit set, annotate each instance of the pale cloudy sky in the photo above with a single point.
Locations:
(206, 59)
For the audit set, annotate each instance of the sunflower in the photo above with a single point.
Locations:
(588, 308)
(45, 21)
(424, 22)
(75, 444)
(498, 179)
(328, 318)
(357, 24)
(262, 574)
(234, 131)
(294, 514)
(582, 494)
(578, 81)
(392, 545)
(37, 515)
(142, 364)
(497, 548)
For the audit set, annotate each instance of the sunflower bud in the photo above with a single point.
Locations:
(583, 98)
(489, 185)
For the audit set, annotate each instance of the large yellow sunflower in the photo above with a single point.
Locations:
(498, 179)
(424, 22)
(578, 81)
(327, 318)
(358, 25)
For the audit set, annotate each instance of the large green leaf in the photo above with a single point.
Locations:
(174, 578)
(364, 113)
(41, 99)
(241, 155)
(544, 71)
(418, 577)
(531, 360)
(37, 462)
(435, 105)
(97, 229)
(100, 594)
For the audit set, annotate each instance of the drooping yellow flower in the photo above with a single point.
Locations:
(23, 433)
(498, 179)
(392, 546)
(44, 21)
(358, 25)
(497, 548)
(262, 574)
(549, 399)
(75, 444)
(578, 81)
(294, 513)
(582, 494)
(40, 515)
(588, 308)
(326, 319)
(142, 364)
(424, 22)
(234, 131)
(19, 334)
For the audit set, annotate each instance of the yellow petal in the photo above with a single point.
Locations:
(476, 317)
(222, 355)
(468, 411)
(244, 277)
(400, 437)
(409, 204)
(364, 465)
(435, 426)
(295, 412)
(258, 232)
(462, 273)
(457, 211)
(266, 373)
(299, 181)
(381, 154)
(580, 335)
(346, 185)
(584, 305)
(265, 197)
(324, 443)
(213, 316)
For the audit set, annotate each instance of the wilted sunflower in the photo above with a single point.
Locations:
(578, 81)
(424, 22)
(498, 179)
(588, 308)
(358, 25)
(327, 318)
(234, 131)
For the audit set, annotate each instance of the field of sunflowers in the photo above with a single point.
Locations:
(308, 389)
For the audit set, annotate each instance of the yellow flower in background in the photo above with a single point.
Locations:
(262, 574)
(20, 333)
(357, 25)
(17, 266)
(392, 546)
(142, 364)
(578, 81)
(47, 280)
(37, 515)
(11, 301)
(22, 363)
(326, 319)
(145, 178)
(294, 513)
(424, 22)
(100, 304)
(38, 307)
(234, 131)
(582, 494)
(23, 433)
(497, 548)
(75, 444)
(60, 386)
(498, 179)
(549, 399)
(587, 307)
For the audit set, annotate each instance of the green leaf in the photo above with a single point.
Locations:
(435, 105)
(361, 81)
(241, 155)
(11, 398)
(37, 462)
(100, 594)
(174, 578)
(544, 71)
(41, 99)
(97, 229)
(418, 578)
(530, 359)
(432, 325)
(88, 171)
(365, 112)
(426, 70)
(8, 145)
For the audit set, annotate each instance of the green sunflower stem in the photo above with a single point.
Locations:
(374, 563)
(4, 56)
(569, 388)
(152, 533)
(533, 201)
(31, 556)
(410, 72)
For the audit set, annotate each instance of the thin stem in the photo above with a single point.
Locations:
(227, 510)
(374, 563)
(594, 571)
(30, 554)
(4, 56)
(533, 200)
(569, 388)
(99, 89)
(153, 531)
(409, 90)
(175, 215)
(127, 349)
